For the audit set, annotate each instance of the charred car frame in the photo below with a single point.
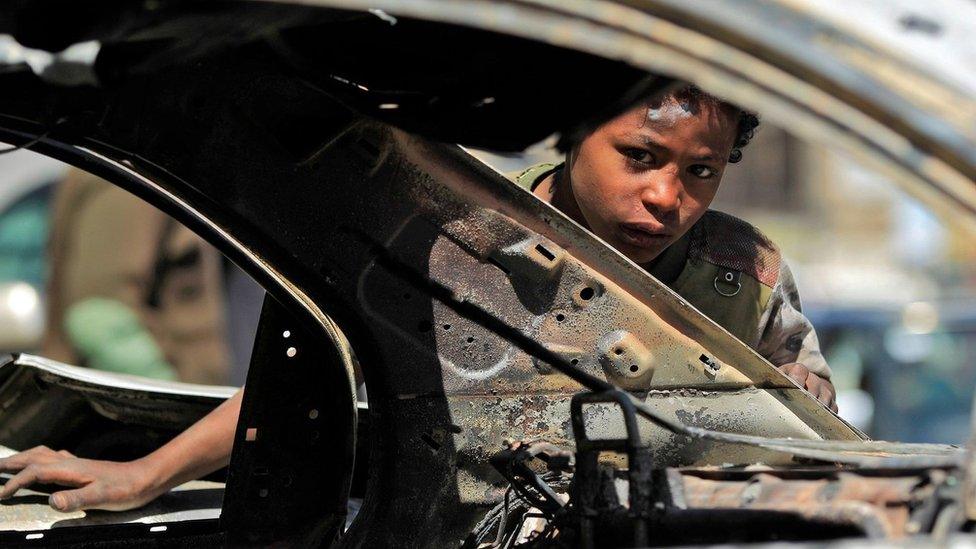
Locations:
(306, 141)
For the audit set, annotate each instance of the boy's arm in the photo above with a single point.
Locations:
(788, 340)
(116, 486)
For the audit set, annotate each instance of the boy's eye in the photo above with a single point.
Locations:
(639, 155)
(702, 171)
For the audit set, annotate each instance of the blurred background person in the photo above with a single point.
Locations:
(131, 290)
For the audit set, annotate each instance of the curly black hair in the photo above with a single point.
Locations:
(747, 124)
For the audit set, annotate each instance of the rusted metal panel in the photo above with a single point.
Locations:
(541, 296)
(880, 506)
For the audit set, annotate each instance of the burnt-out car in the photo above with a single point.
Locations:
(313, 143)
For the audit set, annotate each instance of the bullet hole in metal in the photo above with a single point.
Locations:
(447, 327)
(618, 351)
(587, 293)
(545, 252)
(286, 334)
(560, 317)
(291, 352)
(424, 326)
(634, 368)
(313, 414)
(470, 339)
(714, 366)
(574, 362)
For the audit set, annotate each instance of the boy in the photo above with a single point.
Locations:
(643, 182)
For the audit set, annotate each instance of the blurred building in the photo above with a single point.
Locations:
(888, 284)
(851, 235)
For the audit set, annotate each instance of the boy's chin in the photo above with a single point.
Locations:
(642, 256)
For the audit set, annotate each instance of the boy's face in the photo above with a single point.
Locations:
(644, 178)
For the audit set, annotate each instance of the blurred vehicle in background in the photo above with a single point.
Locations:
(905, 373)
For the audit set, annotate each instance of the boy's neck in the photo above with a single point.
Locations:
(556, 189)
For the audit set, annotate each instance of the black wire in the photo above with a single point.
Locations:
(35, 140)
(26, 145)
(503, 518)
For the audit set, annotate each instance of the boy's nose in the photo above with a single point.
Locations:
(663, 193)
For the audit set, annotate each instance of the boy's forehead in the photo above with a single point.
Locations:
(667, 112)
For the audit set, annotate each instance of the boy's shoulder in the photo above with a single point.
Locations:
(528, 177)
(729, 242)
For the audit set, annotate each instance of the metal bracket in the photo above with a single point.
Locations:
(730, 278)
(587, 482)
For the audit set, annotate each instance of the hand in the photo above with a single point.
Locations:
(109, 485)
(819, 387)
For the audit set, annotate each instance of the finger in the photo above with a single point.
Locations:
(829, 397)
(44, 474)
(822, 389)
(20, 460)
(24, 478)
(10, 464)
(797, 372)
(799, 378)
(816, 385)
(823, 394)
(77, 499)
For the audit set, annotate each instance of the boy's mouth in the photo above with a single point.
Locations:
(644, 235)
